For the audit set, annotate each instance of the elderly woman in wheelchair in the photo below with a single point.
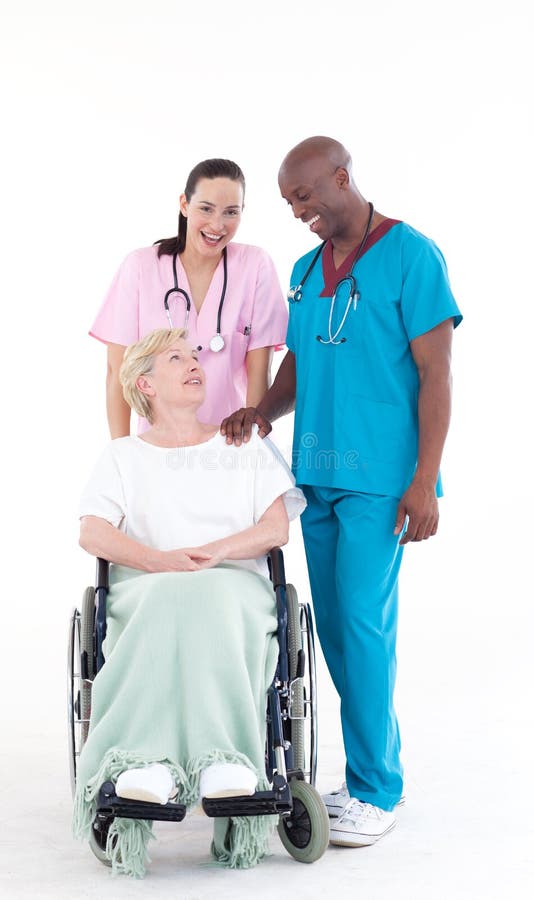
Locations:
(178, 711)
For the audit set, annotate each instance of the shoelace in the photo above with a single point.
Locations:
(356, 811)
(341, 790)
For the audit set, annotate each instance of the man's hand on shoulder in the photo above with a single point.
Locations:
(237, 427)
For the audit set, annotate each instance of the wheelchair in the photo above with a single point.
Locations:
(291, 710)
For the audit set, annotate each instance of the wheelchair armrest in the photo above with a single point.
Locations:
(101, 591)
(102, 574)
(276, 567)
(278, 578)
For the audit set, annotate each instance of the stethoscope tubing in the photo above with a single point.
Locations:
(185, 295)
(295, 294)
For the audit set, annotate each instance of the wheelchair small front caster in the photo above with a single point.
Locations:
(99, 837)
(305, 832)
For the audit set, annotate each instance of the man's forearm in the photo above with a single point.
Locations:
(434, 410)
(280, 398)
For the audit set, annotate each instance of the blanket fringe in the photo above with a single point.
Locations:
(238, 843)
(241, 842)
(127, 846)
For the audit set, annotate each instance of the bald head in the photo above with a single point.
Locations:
(316, 149)
(315, 178)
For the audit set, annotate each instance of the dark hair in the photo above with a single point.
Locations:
(208, 168)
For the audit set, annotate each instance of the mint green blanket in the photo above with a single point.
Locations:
(189, 659)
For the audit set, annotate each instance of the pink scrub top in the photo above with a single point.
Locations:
(254, 315)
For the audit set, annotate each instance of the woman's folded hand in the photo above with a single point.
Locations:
(188, 559)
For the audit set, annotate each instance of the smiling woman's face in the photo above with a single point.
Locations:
(213, 214)
(176, 376)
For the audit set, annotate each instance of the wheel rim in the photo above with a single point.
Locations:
(73, 693)
(297, 690)
(78, 690)
(305, 833)
(298, 826)
(310, 644)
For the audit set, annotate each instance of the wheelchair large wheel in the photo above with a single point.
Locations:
(306, 831)
(73, 694)
(297, 690)
(303, 708)
(87, 650)
(78, 688)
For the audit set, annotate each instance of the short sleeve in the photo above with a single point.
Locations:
(103, 495)
(273, 479)
(117, 321)
(426, 298)
(269, 315)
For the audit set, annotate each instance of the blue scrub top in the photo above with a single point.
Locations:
(356, 424)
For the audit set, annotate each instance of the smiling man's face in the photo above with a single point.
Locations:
(315, 190)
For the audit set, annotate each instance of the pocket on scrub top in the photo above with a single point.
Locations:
(383, 427)
(239, 346)
(381, 318)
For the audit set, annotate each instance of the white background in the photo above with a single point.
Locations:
(106, 107)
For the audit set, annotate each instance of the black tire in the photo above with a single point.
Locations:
(295, 644)
(305, 833)
(73, 694)
(97, 843)
(87, 647)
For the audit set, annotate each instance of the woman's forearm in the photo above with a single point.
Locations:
(118, 411)
(258, 364)
(247, 544)
(100, 538)
(271, 531)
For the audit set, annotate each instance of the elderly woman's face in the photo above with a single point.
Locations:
(177, 375)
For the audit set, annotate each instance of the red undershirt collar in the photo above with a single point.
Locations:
(331, 275)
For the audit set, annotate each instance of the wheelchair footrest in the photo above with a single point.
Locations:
(109, 805)
(261, 803)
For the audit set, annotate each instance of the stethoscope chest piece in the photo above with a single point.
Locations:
(294, 294)
(217, 343)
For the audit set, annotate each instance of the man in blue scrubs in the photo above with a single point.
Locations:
(368, 374)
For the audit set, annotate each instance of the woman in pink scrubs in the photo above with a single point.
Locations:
(210, 268)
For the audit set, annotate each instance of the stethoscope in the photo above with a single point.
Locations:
(295, 293)
(217, 341)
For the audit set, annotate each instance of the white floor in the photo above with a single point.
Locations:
(466, 831)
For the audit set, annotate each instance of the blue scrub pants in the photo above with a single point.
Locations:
(353, 562)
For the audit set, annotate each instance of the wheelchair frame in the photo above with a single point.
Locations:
(291, 706)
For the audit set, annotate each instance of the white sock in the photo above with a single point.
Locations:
(227, 780)
(151, 784)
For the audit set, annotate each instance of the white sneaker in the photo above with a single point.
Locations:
(227, 780)
(152, 784)
(361, 824)
(336, 801)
